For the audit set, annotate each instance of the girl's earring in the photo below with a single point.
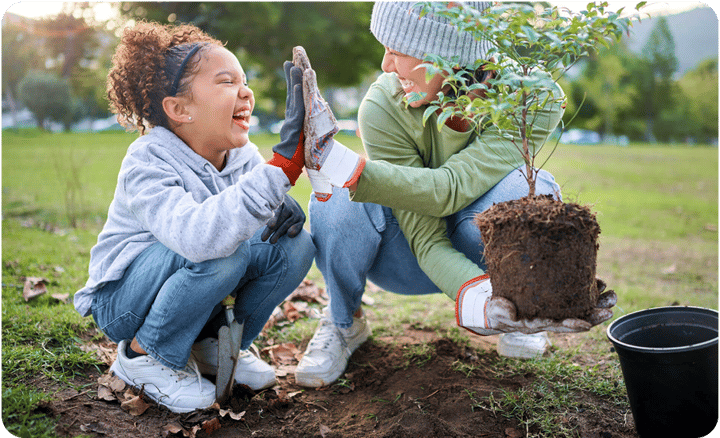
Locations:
(189, 119)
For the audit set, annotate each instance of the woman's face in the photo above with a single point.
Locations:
(411, 76)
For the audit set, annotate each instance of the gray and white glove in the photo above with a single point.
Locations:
(333, 163)
(479, 312)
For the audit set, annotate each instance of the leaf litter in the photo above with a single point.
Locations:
(378, 395)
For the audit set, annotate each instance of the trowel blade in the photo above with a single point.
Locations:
(226, 365)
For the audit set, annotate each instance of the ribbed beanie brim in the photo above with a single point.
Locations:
(398, 25)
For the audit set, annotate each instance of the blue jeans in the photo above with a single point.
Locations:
(164, 300)
(357, 242)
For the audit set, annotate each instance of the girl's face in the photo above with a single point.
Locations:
(411, 76)
(220, 104)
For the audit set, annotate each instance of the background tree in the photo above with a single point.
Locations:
(602, 91)
(700, 100)
(18, 58)
(655, 77)
(335, 35)
(72, 39)
(46, 96)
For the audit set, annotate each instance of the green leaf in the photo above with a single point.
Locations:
(442, 118)
(429, 111)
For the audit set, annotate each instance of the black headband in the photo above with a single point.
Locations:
(181, 69)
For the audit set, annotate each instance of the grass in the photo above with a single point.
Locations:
(657, 206)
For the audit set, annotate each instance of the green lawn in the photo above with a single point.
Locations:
(657, 206)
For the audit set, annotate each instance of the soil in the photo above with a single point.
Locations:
(541, 254)
(382, 394)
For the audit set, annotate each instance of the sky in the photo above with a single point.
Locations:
(35, 9)
(38, 9)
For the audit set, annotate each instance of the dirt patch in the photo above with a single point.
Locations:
(412, 389)
(541, 254)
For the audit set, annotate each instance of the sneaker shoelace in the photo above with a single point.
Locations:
(191, 370)
(326, 334)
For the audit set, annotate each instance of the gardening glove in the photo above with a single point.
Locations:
(479, 312)
(288, 219)
(322, 189)
(338, 164)
(288, 154)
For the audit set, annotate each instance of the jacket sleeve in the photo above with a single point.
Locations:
(430, 194)
(445, 190)
(201, 229)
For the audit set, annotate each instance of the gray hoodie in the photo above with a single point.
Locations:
(169, 194)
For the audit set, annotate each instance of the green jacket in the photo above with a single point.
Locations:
(424, 174)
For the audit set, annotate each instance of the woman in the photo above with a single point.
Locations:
(409, 226)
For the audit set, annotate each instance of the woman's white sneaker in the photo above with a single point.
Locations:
(178, 390)
(329, 350)
(250, 369)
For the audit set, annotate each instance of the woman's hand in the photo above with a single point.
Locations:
(478, 311)
(336, 165)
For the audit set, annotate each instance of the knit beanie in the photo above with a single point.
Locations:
(398, 25)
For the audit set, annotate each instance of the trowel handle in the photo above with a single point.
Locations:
(229, 303)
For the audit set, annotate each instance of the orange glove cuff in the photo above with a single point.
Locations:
(292, 167)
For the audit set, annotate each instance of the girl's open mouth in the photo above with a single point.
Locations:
(242, 118)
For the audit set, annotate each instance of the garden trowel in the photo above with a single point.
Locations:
(229, 337)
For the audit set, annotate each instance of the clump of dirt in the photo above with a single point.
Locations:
(429, 387)
(541, 254)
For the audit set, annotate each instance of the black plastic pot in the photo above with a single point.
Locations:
(669, 359)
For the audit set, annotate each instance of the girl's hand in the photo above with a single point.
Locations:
(288, 219)
(289, 153)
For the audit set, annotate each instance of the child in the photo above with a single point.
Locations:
(189, 224)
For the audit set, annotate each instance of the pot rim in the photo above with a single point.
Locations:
(659, 310)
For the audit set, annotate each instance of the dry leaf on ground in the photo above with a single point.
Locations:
(295, 310)
(283, 354)
(106, 351)
(34, 287)
(309, 292)
(172, 428)
(134, 404)
(105, 393)
(108, 386)
(63, 298)
(277, 316)
(211, 426)
(234, 415)
(175, 428)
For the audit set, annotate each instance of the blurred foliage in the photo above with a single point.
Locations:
(47, 96)
(335, 35)
(636, 96)
(699, 87)
(70, 47)
(19, 55)
(622, 93)
(658, 87)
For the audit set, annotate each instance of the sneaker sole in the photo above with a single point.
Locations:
(116, 370)
(318, 380)
(210, 370)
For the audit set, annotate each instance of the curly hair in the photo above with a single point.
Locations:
(145, 63)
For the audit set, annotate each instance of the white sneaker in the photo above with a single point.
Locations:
(250, 370)
(522, 346)
(328, 352)
(178, 390)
